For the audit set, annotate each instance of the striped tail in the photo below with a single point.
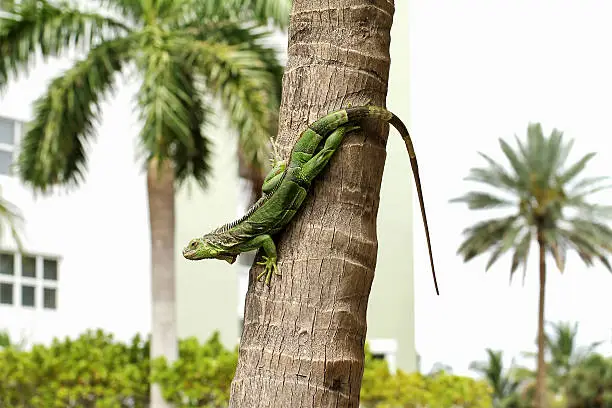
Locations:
(401, 128)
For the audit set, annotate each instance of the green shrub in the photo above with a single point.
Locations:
(589, 383)
(201, 377)
(381, 389)
(90, 371)
(94, 370)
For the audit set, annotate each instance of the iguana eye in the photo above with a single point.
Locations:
(194, 244)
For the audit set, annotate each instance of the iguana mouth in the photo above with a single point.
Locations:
(189, 254)
(228, 258)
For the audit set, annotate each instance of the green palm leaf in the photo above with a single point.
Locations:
(174, 116)
(260, 11)
(11, 219)
(39, 26)
(542, 188)
(53, 149)
(477, 200)
(240, 79)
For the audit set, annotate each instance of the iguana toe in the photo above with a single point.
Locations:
(270, 268)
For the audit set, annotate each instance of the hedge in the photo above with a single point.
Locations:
(95, 370)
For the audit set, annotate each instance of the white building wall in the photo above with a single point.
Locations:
(99, 230)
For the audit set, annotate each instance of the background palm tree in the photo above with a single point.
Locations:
(185, 53)
(562, 354)
(549, 205)
(504, 386)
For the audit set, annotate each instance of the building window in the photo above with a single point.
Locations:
(28, 281)
(7, 144)
(7, 264)
(50, 298)
(28, 294)
(28, 266)
(50, 269)
(6, 293)
(385, 349)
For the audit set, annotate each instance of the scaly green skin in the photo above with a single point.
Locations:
(286, 186)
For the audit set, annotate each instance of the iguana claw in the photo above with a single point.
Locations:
(270, 268)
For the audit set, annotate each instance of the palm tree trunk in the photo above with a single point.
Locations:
(303, 338)
(160, 187)
(541, 400)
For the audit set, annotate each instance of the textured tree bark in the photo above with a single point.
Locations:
(160, 188)
(540, 394)
(303, 339)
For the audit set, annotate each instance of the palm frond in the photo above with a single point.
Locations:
(535, 147)
(132, 9)
(243, 83)
(557, 246)
(587, 182)
(484, 236)
(507, 242)
(552, 148)
(11, 218)
(520, 168)
(260, 11)
(575, 169)
(40, 27)
(247, 36)
(521, 253)
(477, 200)
(53, 149)
(173, 115)
(590, 240)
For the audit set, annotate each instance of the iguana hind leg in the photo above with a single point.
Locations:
(317, 163)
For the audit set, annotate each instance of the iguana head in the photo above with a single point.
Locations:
(206, 248)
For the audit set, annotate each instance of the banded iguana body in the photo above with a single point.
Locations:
(286, 186)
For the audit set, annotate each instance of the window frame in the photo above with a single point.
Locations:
(18, 127)
(39, 282)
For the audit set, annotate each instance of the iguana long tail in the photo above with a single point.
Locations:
(354, 114)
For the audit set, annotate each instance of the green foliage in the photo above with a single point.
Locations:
(90, 371)
(94, 370)
(544, 192)
(589, 383)
(381, 389)
(5, 339)
(187, 55)
(502, 381)
(201, 377)
(11, 218)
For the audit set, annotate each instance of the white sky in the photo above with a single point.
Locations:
(482, 70)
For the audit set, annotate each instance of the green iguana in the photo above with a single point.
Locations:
(286, 186)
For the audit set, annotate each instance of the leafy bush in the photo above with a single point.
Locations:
(94, 370)
(589, 383)
(90, 371)
(201, 377)
(381, 389)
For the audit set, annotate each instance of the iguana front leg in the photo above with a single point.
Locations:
(269, 259)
